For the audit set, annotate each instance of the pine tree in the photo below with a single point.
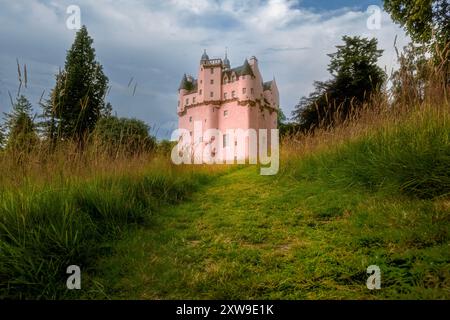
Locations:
(20, 127)
(78, 99)
(355, 77)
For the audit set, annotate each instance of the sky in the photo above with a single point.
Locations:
(151, 44)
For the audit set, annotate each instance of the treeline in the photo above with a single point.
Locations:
(356, 82)
(76, 112)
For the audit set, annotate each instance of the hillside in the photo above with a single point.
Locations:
(309, 232)
(364, 194)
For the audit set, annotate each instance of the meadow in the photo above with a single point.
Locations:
(372, 191)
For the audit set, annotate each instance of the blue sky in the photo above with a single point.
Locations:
(155, 42)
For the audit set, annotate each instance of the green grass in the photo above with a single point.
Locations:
(309, 232)
(411, 156)
(45, 229)
(252, 237)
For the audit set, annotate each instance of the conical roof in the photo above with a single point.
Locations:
(184, 83)
(226, 62)
(246, 69)
(204, 56)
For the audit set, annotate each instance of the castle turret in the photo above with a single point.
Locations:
(246, 69)
(183, 83)
(204, 57)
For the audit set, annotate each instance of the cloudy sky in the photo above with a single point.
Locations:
(154, 42)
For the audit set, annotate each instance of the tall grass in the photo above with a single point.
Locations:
(68, 208)
(411, 156)
(398, 143)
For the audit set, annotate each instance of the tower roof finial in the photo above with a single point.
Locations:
(226, 62)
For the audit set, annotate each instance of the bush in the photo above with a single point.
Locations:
(123, 136)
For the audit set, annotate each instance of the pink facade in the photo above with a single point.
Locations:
(227, 98)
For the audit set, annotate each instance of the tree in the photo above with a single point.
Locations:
(355, 78)
(121, 135)
(421, 18)
(165, 147)
(78, 100)
(20, 127)
(410, 80)
(281, 118)
(428, 23)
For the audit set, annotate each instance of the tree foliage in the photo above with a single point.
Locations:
(78, 100)
(20, 127)
(421, 18)
(122, 135)
(428, 24)
(355, 77)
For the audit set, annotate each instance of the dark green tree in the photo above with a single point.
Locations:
(165, 147)
(20, 127)
(123, 136)
(281, 117)
(355, 78)
(78, 100)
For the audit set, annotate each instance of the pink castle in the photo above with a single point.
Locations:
(226, 98)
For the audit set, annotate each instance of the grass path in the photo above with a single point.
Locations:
(245, 236)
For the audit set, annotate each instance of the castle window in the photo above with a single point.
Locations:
(211, 94)
(212, 70)
(187, 101)
(233, 94)
(244, 90)
(252, 91)
(225, 95)
(225, 140)
(212, 81)
(200, 92)
(190, 119)
(225, 113)
(201, 81)
(193, 100)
